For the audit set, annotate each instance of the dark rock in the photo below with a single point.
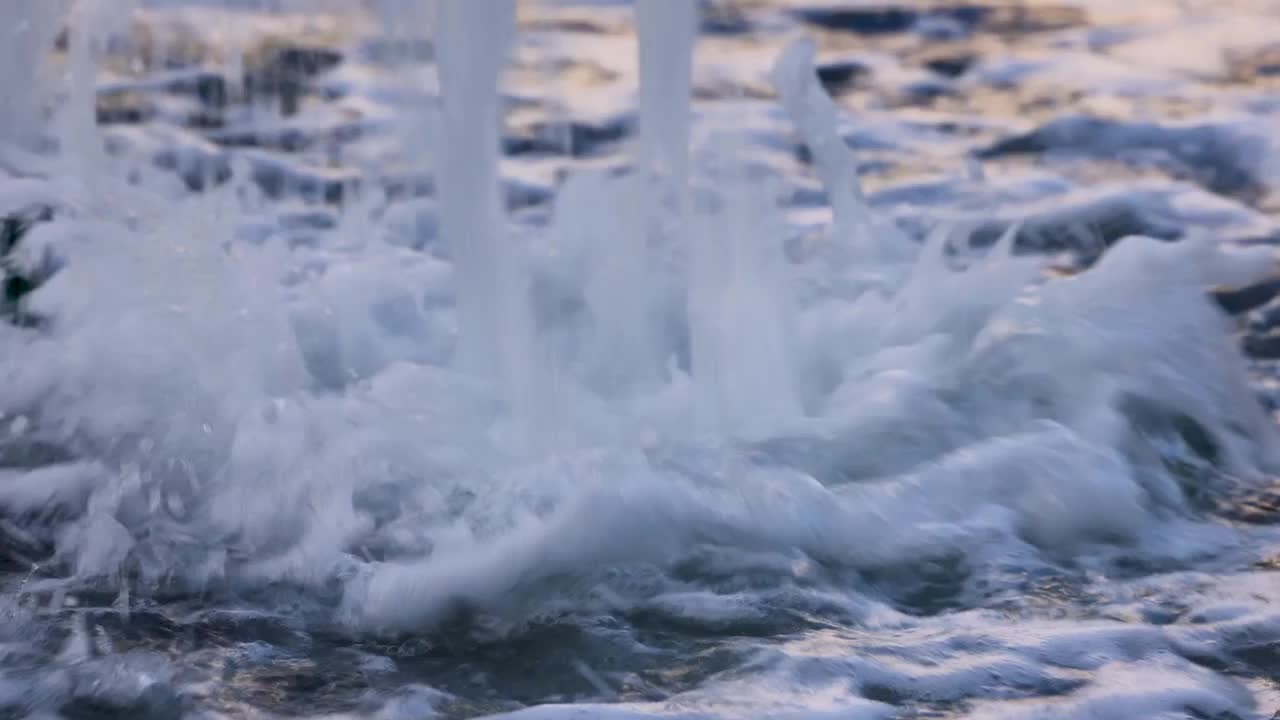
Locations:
(1237, 301)
(279, 177)
(17, 283)
(304, 61)
(579, 138)
(1272, 238)
(124, 114)
(1260, 507)
(1265, 346)
(1085, 229)
(951, 66)
(925, 91)
(888, 19)
(20, 550)
(1251, 66)
(284, 72)
(1021, 18)
(210, 88)
(200, 165)
(207, 86)
(1216, 157)
(520, 194)
(285, 139)
(24, 453)
(722, 18)
(17, 287)
(569, 25)
(128, 102)
(837, 76)
(16, 225)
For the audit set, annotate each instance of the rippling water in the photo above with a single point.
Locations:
(955, 426)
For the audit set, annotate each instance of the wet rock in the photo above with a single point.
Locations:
(199, 163)
(570, 24)
(207, 86)
(579, 138)
(1259, 506)
(18, 278)
(286, 139)
(951, 66)
(1272, 238)
(1219, 158)
(1255, 65)
(25, 453)
(887, 19)
(1264, 346)
(838, 75)
(199, 166)
(284, 71)
(279, 177)
(19, 549)
(192, 97)
(521, 194)
(724, 18)
(1237, 301)
(1026, 18)
(1085, 229)
(924, 91)
(135, 684)
(124, 110)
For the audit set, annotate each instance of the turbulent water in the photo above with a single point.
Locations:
(949, 398)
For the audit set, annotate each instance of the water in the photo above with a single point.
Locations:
(491, 280)
(666, 34)
(29, 28)
(869, 385)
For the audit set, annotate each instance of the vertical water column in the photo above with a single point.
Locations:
(667, 30)
(495, 323)
(403, 23)
(741, 308)
(623, 291)
(27, 28)
(472, 40)
(816, 117)
(91, 25)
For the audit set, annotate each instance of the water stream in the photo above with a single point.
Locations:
(904, 362)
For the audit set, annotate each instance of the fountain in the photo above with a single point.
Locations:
(472, 40)
(739, 316)
(667, 31)
(29, 27)
(740, 310)
(490, 274)
(624, 288)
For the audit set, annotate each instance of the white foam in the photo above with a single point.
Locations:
(254, 414)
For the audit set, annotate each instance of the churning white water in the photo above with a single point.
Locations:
(657, 443)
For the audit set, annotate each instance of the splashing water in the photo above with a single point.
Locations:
(744, 436)
(473, 39)
(29, 27)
